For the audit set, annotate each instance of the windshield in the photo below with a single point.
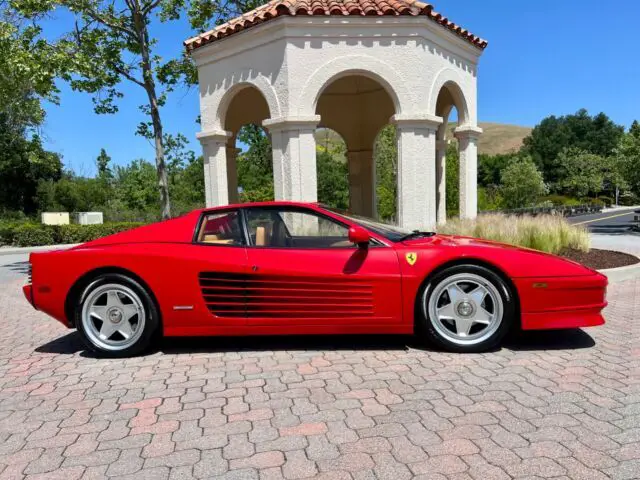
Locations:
(390, 232)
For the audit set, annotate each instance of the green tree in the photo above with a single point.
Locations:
(597, 135)
(522, 183)
(386, 160)
(255, 165)
(111, 42)
(490, 168)
(187, 187)
(73, 194)
(627, 157)
(135, 185)
(102, 162)
(583, 172)
(29, 67)
(333, 180)
(452, 179)
(186, 181)
(24, 163)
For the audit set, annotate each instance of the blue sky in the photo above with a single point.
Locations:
(544, 57)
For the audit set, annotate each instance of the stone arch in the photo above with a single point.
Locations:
(357, 105)
(450, 80)
(259, 83)
(242, 104)
(364, 65)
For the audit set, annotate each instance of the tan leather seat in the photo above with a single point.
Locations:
(261, 236)
(217, 240)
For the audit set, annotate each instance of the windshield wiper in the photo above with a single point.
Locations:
(416, 234)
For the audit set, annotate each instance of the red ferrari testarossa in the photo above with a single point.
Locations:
(295, 268)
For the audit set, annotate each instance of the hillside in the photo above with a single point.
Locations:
(497, 137)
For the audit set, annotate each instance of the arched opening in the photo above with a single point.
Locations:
(358, 107)
(249, 154)
(450, 105)
(332, 168)
(385, 155)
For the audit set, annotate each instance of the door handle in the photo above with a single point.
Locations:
(254, 268)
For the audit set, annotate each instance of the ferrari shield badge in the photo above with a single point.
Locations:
(412, 257)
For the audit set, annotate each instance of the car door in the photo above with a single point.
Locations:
(219, 258)
(304, 271)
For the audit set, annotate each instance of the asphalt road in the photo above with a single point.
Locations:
(614, 222)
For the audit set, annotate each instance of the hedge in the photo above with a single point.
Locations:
(35, 234)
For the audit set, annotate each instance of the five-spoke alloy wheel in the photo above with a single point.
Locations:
(466, 308)
(116, 316)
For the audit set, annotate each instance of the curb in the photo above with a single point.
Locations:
(44, 248)
(617, 209)
(620, 274)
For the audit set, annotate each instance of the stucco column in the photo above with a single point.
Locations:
(441, 181)
(362, 182)
(214, 143)
(294, 157)
(417, 170)
(467, 136)
(232, 171)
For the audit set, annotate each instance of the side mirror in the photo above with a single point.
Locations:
(359, 236)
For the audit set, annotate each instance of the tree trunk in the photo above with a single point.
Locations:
(154, 111)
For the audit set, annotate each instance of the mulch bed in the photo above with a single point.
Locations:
(599, 259)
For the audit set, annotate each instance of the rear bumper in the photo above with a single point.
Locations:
(562, 302)
(28, 294)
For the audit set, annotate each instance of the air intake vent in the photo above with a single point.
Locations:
(29, 274)
(275, 296)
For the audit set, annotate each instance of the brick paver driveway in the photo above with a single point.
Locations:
(554, 405)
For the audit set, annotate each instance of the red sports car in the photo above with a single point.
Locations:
(294, 268)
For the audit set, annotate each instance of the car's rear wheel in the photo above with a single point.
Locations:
(116, 317)
(467, 308)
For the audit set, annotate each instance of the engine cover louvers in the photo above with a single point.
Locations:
(275, 296)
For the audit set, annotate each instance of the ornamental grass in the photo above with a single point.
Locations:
(547, 233)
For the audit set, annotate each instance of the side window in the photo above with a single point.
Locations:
(221, 229)
(294, 229)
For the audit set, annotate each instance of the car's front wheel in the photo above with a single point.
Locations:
(116, 317)
(467, 308)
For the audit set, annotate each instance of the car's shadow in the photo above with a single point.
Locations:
(17, 267)
(572, 339)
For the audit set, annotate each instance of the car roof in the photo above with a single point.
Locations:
(273, 203)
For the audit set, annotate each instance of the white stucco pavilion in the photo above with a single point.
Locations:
(352, 66)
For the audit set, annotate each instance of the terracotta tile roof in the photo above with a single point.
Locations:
(278, 8)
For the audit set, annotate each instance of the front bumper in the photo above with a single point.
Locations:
(562, 302)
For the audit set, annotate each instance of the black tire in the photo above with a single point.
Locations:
(151, 329)
(427, 330)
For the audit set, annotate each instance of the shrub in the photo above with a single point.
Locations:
(29, 235)
(6, 232)
(8, 225)
(629, 199)
(596, 202)
(489, 198)
(32, 235)
(562, 200)
(522, 183)
(86, 233)
(548, 233)
(608, 201)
